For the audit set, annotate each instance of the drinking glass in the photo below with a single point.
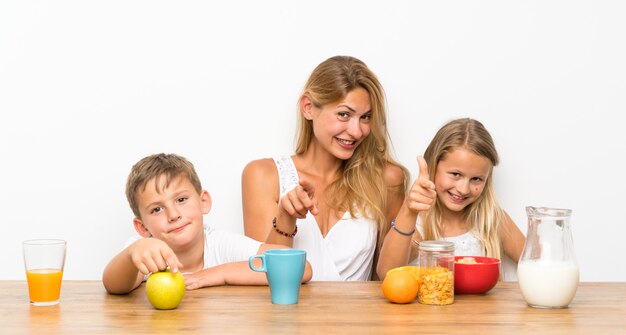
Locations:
(44, 260)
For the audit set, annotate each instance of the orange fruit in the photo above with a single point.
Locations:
(415, 270)
(401, 284)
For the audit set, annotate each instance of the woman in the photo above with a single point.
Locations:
(337, 195)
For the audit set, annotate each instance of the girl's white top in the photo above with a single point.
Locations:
(346, 252)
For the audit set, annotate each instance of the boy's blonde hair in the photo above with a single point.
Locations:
(361, 186)
(484, 215)
(154, 166)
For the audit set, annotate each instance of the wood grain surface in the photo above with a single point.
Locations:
(324, 308)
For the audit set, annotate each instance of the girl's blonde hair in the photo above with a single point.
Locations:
(361, 187)
(484, 215)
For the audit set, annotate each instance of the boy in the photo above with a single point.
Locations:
(167, 199)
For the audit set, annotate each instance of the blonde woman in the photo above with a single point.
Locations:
(336, 196)
(453, 199)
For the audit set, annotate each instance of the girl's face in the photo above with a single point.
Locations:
(341, 126)
(460, 178)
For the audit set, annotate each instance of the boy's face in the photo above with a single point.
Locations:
(173, 214)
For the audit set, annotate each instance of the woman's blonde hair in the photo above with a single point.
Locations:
(484, 215)
(361, 187)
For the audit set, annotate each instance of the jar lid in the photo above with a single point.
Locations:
(436, 246)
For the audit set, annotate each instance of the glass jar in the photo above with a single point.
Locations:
(436, 272)
(547, 271)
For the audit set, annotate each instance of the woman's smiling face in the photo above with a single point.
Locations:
(340, 127)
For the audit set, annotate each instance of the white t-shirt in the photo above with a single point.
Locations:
(347, 250)
(222, 247)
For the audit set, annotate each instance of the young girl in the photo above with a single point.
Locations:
(336, 196)
(453, 199)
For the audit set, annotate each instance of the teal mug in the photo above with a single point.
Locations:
(284, 269)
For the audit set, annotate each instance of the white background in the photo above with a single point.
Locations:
(87, 88)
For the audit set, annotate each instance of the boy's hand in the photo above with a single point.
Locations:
(235, 273)
(203, 278)
(153, 255)
(422, 194)
(300, 200)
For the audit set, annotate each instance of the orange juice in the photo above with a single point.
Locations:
(44, 284)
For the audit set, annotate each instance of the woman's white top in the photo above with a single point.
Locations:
(347, 250)
(468, 244)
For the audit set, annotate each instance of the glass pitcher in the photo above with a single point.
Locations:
(547, 271)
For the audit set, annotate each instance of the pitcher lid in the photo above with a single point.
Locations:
(547, 211)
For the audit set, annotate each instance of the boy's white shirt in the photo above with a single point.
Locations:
(220, 247)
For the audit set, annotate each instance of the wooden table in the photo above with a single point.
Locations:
(324, 308)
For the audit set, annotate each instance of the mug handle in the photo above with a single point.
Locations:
(263, 268)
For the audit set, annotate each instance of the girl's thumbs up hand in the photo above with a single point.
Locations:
(422, 194)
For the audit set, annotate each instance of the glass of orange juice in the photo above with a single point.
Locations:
(44, 260)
